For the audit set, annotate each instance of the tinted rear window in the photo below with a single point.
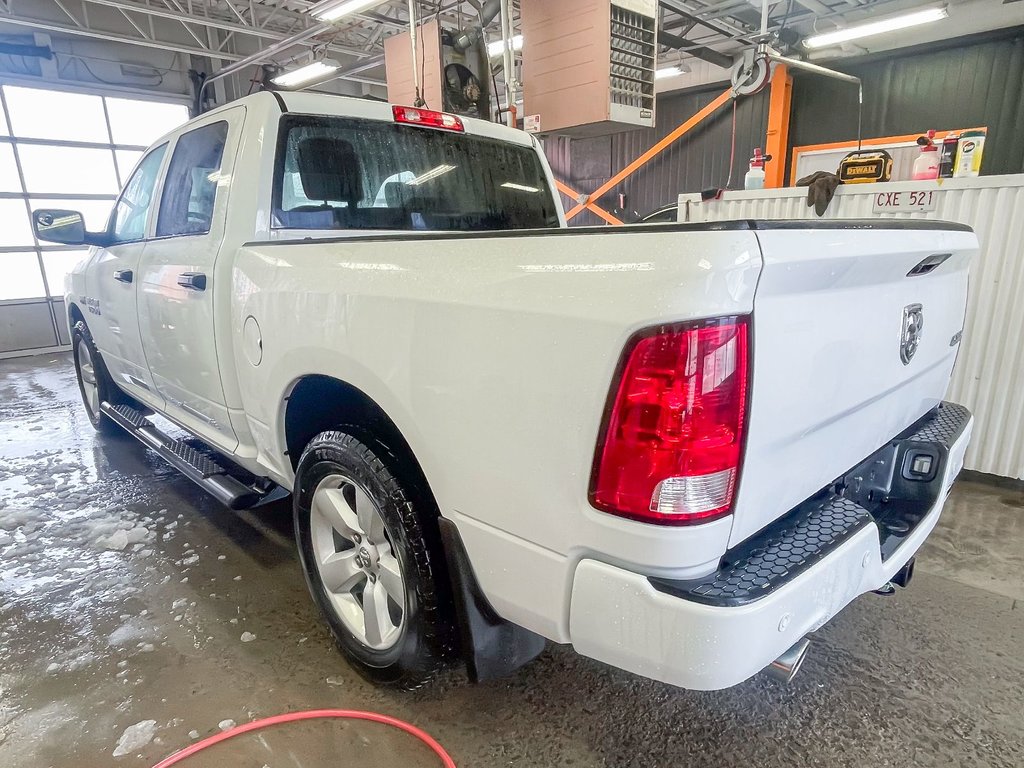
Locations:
(339, 173)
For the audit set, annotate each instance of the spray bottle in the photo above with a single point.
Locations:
(926, 166)
(755, 176)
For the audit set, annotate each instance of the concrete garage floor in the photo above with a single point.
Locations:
(95, 638)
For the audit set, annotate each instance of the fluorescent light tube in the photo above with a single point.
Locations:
(332, 11)
(305, 74)
(667, 72)
(498, 46)
(858, 31)
(430, 175)
(519, 187)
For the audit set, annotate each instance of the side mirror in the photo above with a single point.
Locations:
(58, 226)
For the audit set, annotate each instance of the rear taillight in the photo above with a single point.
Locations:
(428, 118)
(672, 446)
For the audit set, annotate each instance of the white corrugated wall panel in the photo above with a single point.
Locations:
(989, 374)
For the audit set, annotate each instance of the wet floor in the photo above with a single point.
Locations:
(128, 598)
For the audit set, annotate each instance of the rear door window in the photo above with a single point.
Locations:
(340, 173)
(190, 188)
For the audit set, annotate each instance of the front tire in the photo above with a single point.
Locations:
(362, 528)
(94, 380)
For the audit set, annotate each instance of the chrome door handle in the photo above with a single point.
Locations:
(194, 281)
(123, 275)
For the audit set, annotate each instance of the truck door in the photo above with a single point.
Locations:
(112, 281)
(177, 288)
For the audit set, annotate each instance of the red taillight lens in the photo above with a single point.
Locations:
(428, 118)
(674, 438)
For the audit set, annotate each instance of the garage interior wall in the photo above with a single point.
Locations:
(979, 79)
(699, 160)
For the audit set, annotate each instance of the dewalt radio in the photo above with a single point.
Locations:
(865, 167)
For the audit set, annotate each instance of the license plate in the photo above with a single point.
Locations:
(905, 201)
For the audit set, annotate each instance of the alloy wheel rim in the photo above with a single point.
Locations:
(356, 562)
(87, 376)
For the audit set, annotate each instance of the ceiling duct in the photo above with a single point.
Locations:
(474, 33)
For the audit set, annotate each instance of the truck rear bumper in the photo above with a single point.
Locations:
(788, 581)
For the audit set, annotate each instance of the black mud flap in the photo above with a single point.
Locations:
(491, 647)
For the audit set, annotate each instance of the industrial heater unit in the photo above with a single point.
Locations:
(588, 65)
(454, 71)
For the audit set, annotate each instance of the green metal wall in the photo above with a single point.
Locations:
(971, 82)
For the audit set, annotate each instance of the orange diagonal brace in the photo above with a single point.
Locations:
(570, 192)
(630, 169)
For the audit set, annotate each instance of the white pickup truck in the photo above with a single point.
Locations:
(679, 448)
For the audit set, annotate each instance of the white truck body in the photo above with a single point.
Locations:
(494, 354)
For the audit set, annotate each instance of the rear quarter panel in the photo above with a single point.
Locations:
(494, 356)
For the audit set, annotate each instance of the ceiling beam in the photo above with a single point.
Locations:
(215, 23)
(725, 29)
(694, 49)
(24, 21)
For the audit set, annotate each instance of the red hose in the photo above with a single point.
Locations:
(313, 714)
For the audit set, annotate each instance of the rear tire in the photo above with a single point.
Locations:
(94, 381)
(362, 527)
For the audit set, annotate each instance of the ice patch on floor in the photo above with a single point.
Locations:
(130, 633)
(135, 737)
(118, 540)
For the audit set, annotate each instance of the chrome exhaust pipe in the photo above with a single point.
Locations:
(788, 664)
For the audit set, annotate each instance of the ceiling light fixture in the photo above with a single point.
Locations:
(519, 187)
(332, 10)
(858, 31)
(432, 174)
(667, 72)
(305, 74)
(498, 46)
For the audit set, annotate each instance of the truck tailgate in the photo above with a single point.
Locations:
(836, 373)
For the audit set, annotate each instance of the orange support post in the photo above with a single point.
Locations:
(654, 151)
(569, 192)
(777, 137)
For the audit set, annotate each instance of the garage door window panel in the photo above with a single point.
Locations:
(9, 181)
(22, 278)
(131, 212)
(190, 188)
(15, 226)
(140, 123)
(68, 170)
(56, 115)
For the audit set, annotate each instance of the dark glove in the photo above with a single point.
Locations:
(821, 188)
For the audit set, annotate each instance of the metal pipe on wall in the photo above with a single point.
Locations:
(260, 56)
(471, 34)
(418, 101)
(508, 62)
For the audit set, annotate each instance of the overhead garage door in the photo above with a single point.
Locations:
(60, 149)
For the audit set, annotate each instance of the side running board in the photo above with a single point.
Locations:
(198, 467)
